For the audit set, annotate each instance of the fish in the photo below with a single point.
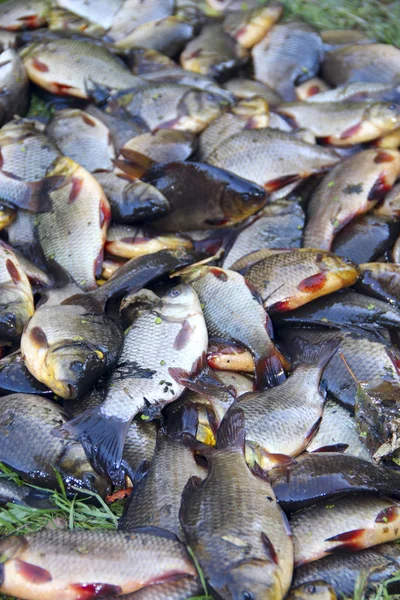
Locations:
(270, 158)
(61, 19)
(73, 232)
(246, 551)
(359, 92)
(250, 26)
(129, 242)
(338, 432)
(343, 571)
(396, 251)
(121, 125)
(278, 225)
(14, 86)
(131, 201)
(134, 13)
(349, 524)
(252, 113)
(173, 106)
(288, 55)
(143, 61)
(335, 38)
(26, 154)
(17, 303)
(213, 53)
(11, 492)
(38, 277)
(309, 89)
(83, 138)
(17, 15)
(233, 312)
(167, 35)
(217, 198)
(7, 216)
(377, 417)
(163, 145)
(248, 88)
(318, 590)
(101, 13)
(69, 67)
(390, 140)
(179, 589)
(94, 562)
(345, 309)
(368, 355)
(229, 356)
(29, 448)
(286, 280)
(156, 499)
(322, 477)
(365, 238)
(351, 188)
(343, 123)
(147, 376)
(390, 206)
(21, 231)
(281, 421)
(365, 63)
(380, 280)
(15, 377)
(68, 349)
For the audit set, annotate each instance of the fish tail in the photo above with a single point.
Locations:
(231, 432)
(103, 438)
(309, 353)
(269, 371)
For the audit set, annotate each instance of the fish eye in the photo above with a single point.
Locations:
(76, 366)
(174, 293)
(89, 479)
(247, 596)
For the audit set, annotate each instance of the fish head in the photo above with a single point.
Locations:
(180, 300)
(384, 115)
(317, 590)
(241, 199)
(254, 580)
(340, 272)
(77, 471)
(72, 367)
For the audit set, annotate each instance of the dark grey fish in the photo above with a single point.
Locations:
(14, 86)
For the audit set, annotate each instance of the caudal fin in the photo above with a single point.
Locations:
(306, 352)
(231, 432)
(103, 438)
(269, 371)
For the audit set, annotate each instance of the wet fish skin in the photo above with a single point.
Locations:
(83, 138)
(350, 524)
(218, 198)
(288, 55)
(271, 158)
(338, 431)
(23, 495)
(15, 377)
(343, 570)
(180, 589)
(156, 499)
(68, 349)
(62, 19)
(29, 448)
(147, 377)
(69, 66)
(359, 92)
(380, 280)
(281, 421)
(129, 242)
(351, 188)
(247, 88)
(13, 85)
(131, 201)
(164, 145)
(138, 559)
(288, 280)
(17, 303)
(233, 312)
(135, 13)
(121, 125)
(219, 537)
(143, 61)
(366, 238)
(102, 12)
(319, 477)
(167, 35)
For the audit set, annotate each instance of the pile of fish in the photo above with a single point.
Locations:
(199, 299)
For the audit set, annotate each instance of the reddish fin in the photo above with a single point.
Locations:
(269, 372)
(282, 306)
(312, 284)
(32, 573)
(231, 432)
(279, 460)
(349, 539)
(140, 161)
(269, 548)
(39, 65)
(13, 271)
(262, 474)
(87, 591)
(313, 430)
(184, 335)
(388, 515)
(276, 184)
(76, 187)
(218, 273)
(38, 337)
(332, 448)
(351, 131)
(379, 189)
(383, 157)
(88, 120)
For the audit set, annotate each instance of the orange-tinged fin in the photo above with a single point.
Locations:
(32, 573)
(103, 438)
(379, 189)
(351, 540)
(281, 306)
(270, 550)
(269, 371)
(278, 460)
(383, 157)
(138, 159)
(39, 65)
(184, 335)
(348, 133)
(119, 495)
(231, 432)
(276, 184)
(388, 515)
(61, 89)
(13, 271)
(87, 591)
(331, 448)
(313, 429)
(312, 284)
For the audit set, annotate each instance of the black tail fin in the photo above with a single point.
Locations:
(269, 371)
(306, 352)
(232, 431)
(103, 438)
